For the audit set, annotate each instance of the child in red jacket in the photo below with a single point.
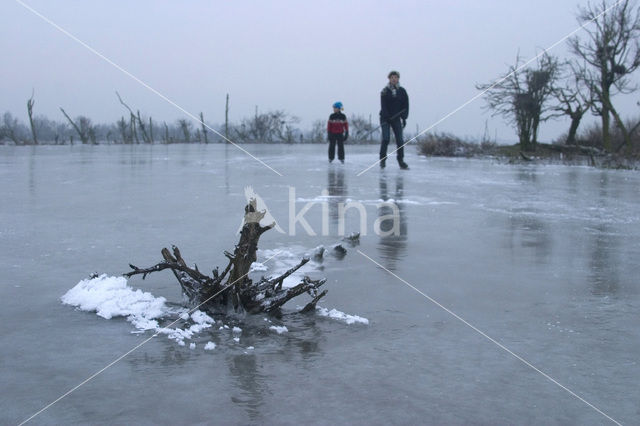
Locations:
(337, 132)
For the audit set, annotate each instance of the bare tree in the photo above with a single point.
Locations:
(611, 52)
(269, 127)
(143, 129)
(573, 97)
(136, 118)
(204, 128)
(522, 95)
(83, 127)
(30, 104)
(361, 129)
(285, 131)
(151, 129)
(123, 128)
(226, 120)
(12, 129)
(185, 126)
(166, 138)
(318, 132)
(48, 130)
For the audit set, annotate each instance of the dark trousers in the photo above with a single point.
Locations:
(386, 127)
(336, 138)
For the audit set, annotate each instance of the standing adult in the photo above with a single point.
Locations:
(337, 132)
(394, 110)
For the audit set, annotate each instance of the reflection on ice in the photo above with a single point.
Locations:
(392, 245)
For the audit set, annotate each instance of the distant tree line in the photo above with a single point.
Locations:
(268, 127)
(136, 128)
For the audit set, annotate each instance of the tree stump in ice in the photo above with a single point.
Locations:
(233, 287)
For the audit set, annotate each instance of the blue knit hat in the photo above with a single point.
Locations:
(338, 105)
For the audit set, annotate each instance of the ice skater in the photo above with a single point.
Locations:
(394, 110)
(337, 132)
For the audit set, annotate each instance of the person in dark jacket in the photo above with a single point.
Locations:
(337, 132)
(394, 110)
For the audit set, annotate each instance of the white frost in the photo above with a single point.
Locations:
(209, 346)
(279, 329)
(257, 266)
(341, 316)
(111, 297)
(200, 317)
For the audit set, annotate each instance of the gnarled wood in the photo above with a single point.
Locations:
(238, 290)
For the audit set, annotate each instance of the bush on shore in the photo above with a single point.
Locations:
(448, 145)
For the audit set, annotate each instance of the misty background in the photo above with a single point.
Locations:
(298, 58)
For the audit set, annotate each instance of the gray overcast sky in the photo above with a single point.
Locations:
(296, 56)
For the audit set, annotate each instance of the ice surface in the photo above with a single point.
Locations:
(526, 253)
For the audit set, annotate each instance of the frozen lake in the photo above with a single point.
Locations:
(542, 259)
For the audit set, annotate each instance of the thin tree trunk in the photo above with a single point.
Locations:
(134, 131)
(226, 120)
(204, 128)
(30, 103)
(606, 120)
(83, 137)
(145, 135)
(625, 133)
(573, 129)
(166, 133)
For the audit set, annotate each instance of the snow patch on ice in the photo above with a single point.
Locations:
(202, 321)
(209, 346)
(279, 329)
(200, 317)
(257, 266)
(341, 316)
(111, 297)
